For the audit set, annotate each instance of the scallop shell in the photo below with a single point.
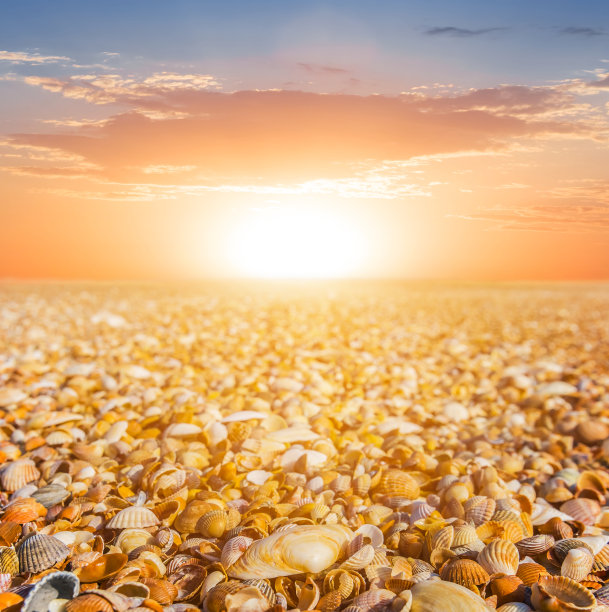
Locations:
(360, 559)
(10, 532)
(374, 599)
(9, 563)
(465, 572)
(57, 585)
(308, 548)
(479, 509)
(18, 473)
(577, 564)
(51, 495)
(427, 595)
(212, 524)
(582, 509)
(464, 535)
(38, 552)
(499, 557)
(530, 573)
(162, 591)
(233, 549)
(89, 602)
(535, 545)
(561, 593)
(133, 517)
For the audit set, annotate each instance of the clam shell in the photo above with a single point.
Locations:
(535, 545)
(57, 585)
(308, 548)
(479, 509)
(562, 593)
(499, 557)
(428, 595)
(50, 495)
(38, 552)
(133, 517)
(103, 567)
(89, 602)
(247, 599)
(396, 483)
(530, 573)
(582, 509)
(376, 599)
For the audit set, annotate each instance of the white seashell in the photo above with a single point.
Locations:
(557, 387)
(435, 594)
(596, 543)
(10, 396)
(136, 371)
(258, 477)
(244, 415)
(543, 512)
(291, 456)
(292, 434)
(398, 424)
(116, 432)
(177, 430)
(577, 564)
(455, 412)
(287, 384)
(306, 548)
(372, 533)
(216, 433)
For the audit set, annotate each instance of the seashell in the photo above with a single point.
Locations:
(131, 589)
(514, 606)
(453, 597)
(188, 579)
(133, 517)
(591, 432)
(130, 539)
(371, 534)
(101, 568)
(233, 549)
(376, 599)
(212, 524)
(10, 532)
(396, 483)
(479, 509)
(464, 535)
(582, 509)
(530, 573)
(89, 602)
(10, 601)
(162, 591)
(50, 495)
(507, 589)
(534, 545)
(17, 474)
(23, 511)
(57, 585)
(465, 572)
(5, 582)
(247, 599)
(307, 548)
(330, 602)
(443, 538)
(543, 512)
(308, 595)
(38, 552)
(499, 557)
(559, 551)
(577, 564)
(10, 396)
(359, 559)
(216, 598)
(9, 563)
(561, 593)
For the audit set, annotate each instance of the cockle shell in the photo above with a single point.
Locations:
(465, 572)
(375, 599)
(499, 557)
(534, 545)
(577, 564)
(57, 585)
(396, 483)
(308, 548)
(582, 509)
(18, 473)
(133, 517)
(38, 551)
(360, 559)
(561, 594)
(514, 606)
(233, 549)
(9, 563)
(427, 596)
(479, 509)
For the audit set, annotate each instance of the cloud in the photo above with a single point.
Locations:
(583, 31)
(23, 57)
(459, 32)
(602, 84)
(321, 69)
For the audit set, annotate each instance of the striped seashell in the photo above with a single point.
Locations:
(420, 511)
(307, 548)
(57, 585)
(89, 602)
(340, 580)
(9, 532)
(23, 511)
(535, 545)
(161, 591)
(361, 485)
(319, 512)
(514, 606)
(577, 564)
(233, 549)
(216, 597)
(443, 538)
(465, 572)
(133, 517)
(463, 535)
(479, 509)
(371, 534)
(360, 559)
(330, 602)
(9, 562)
(396, 483)
(5, 582)
(559, 551)
(38, 552)
(18, 474)
(561, 593)
(582, 509)
(374, 599)
(212, 524)
(530, 573)
(130, 539)
(51, 494)
(499, 557)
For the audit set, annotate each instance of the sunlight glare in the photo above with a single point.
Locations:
(296, 242)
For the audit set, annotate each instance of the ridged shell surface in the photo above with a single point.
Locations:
(438, 595)
(499, 557)
(308, 548)
(57, 585)
(38, 552)
(133, 517)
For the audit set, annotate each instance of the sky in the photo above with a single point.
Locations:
(396, 139)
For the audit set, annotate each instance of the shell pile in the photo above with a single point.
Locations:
(378, 448)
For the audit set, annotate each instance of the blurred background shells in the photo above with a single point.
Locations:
(303, 452)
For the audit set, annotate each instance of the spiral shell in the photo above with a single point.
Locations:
(499, 557)
(308, 548)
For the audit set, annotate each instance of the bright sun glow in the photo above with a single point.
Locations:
(296, 242)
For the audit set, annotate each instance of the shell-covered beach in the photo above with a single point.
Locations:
(343, 446)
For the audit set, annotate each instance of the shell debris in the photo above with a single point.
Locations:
(304, 449)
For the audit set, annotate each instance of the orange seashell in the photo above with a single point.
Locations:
(499, 557)
(89, 602)
(507, 589)
(530, 573)
(465, 572)
(101, 568)
(560, 593)
(10, 532)
(396, 483)
(17, 474)
(162, 591)
(8, 599)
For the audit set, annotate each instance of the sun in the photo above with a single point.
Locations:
(287, 241)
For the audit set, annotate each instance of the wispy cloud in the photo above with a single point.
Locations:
(322, 69)
(583, 31)
(460, 32)
(24, 57)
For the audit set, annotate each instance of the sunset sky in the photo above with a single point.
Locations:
(414, 139)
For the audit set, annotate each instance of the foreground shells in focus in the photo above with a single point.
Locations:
(366, 450)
